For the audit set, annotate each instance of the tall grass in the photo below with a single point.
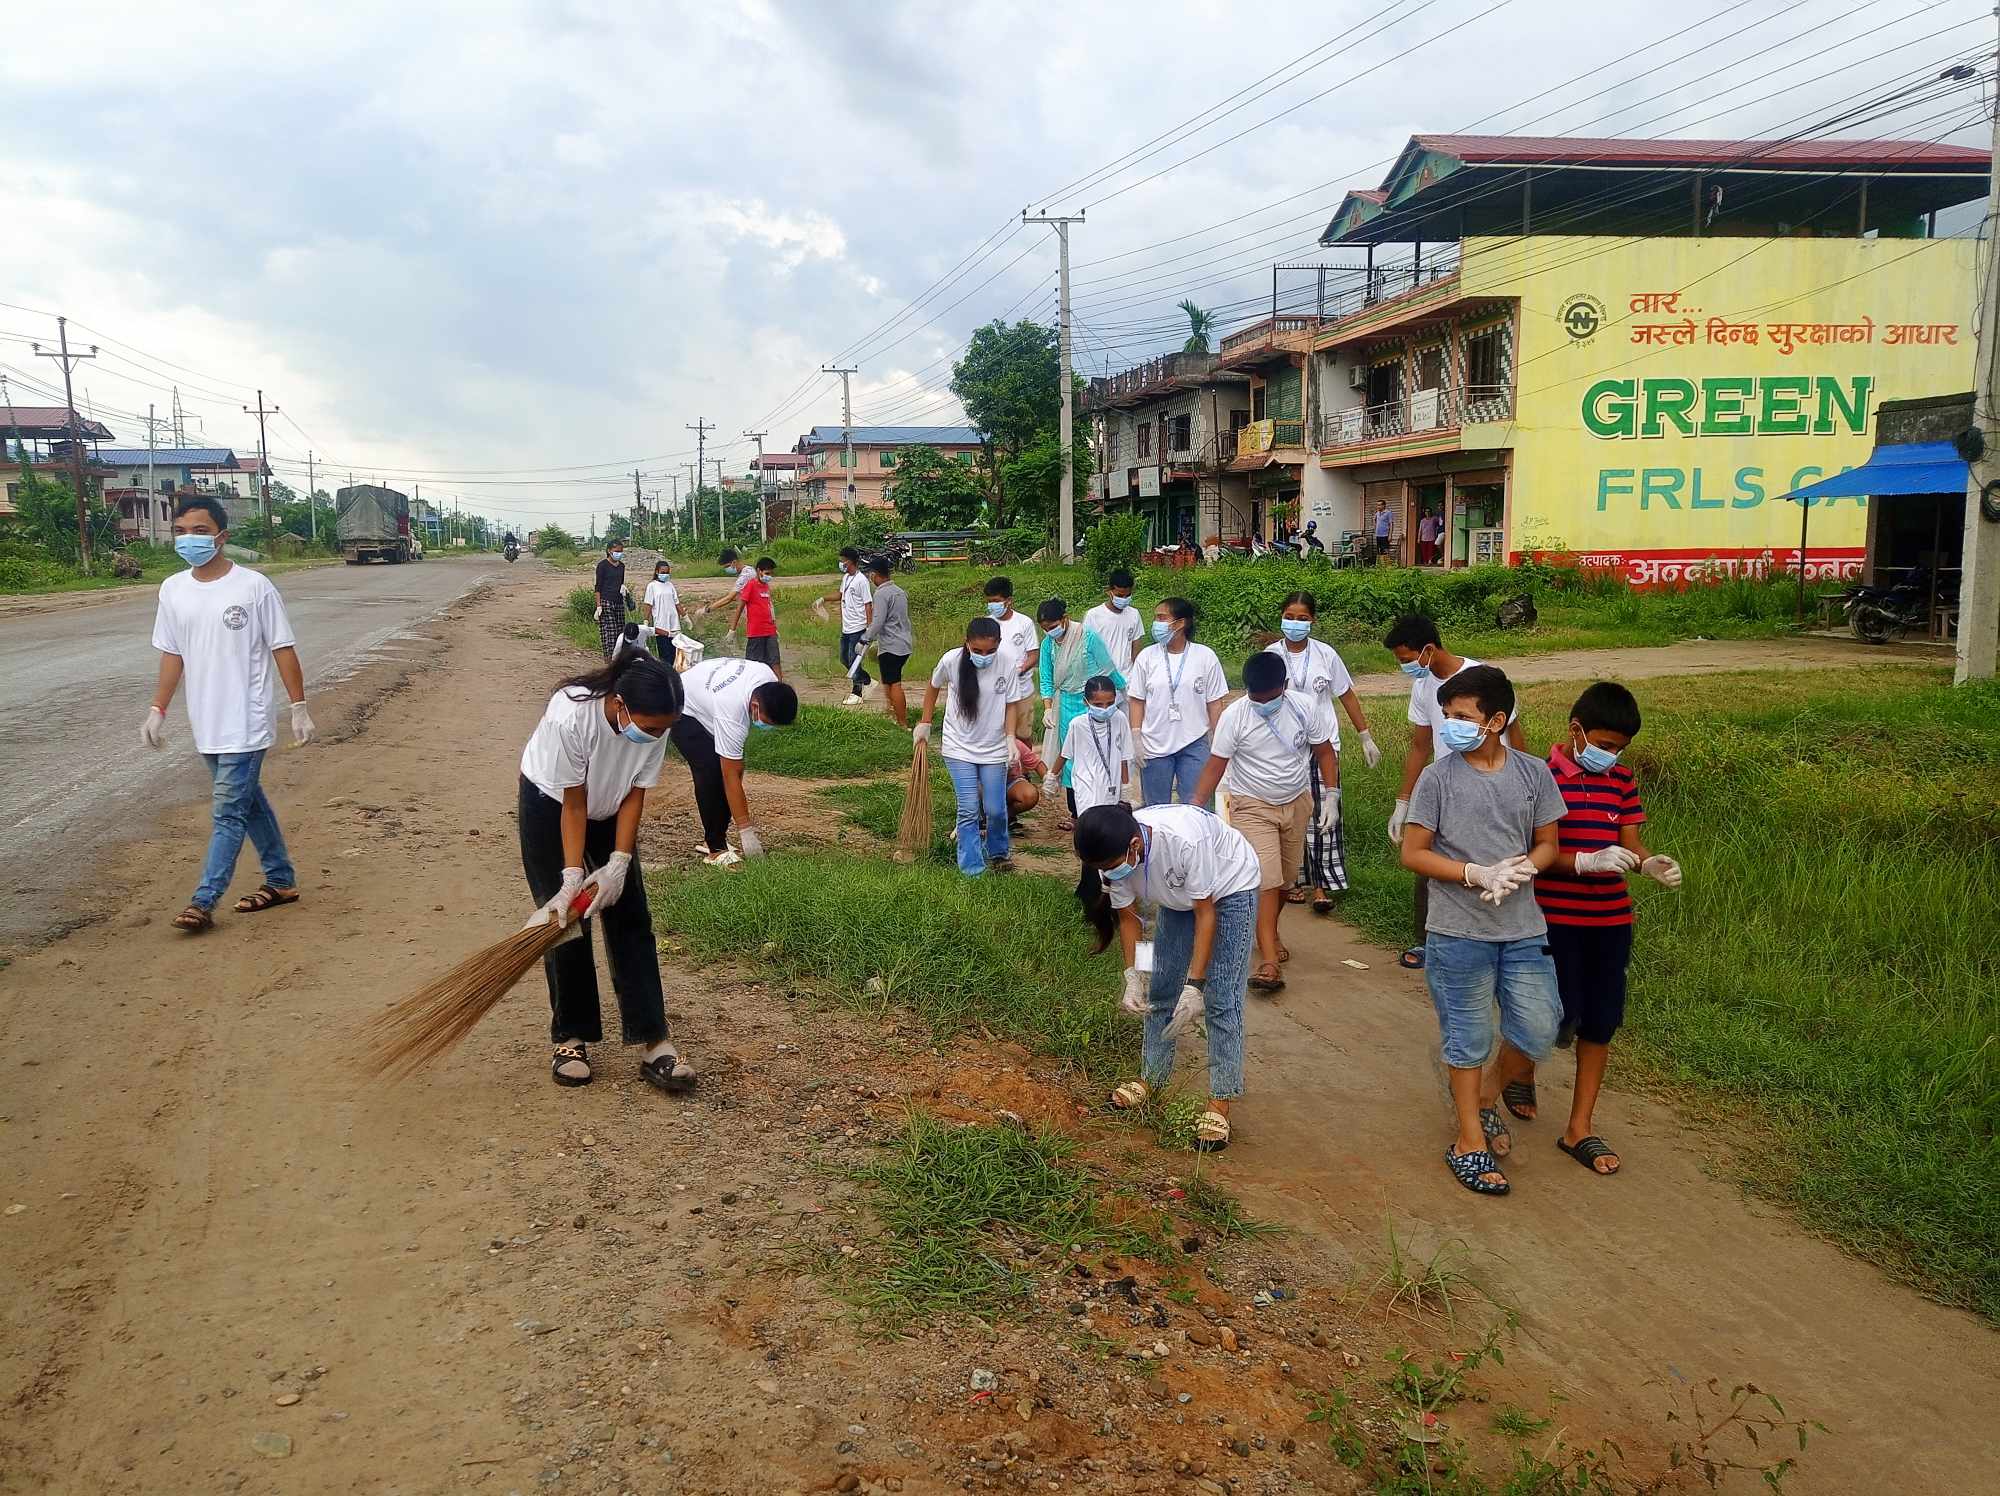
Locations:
(1831, 961)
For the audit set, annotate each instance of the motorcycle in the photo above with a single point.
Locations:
(1878, 615)
(897, 553)
(512, 551)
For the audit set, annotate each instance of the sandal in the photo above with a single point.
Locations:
(194, 919)
(1275, 982)
(1211, 1133)
(1496, 1132)
(1412, 959)
(1322, 902)
(1517, 1094)
(1129, 1096)
(1284, 952)
(669, 1072)
(1588, 1151)
(1469, 1170)
(266, 897)
(1066, 825)
(570, 1054)
(1295, 896)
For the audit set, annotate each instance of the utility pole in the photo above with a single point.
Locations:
(846, 431)
(721, 525)
(694, 500)
(1979, 582)
(1066, 512)
(263, 457)
(701, 427)
(152, 491)
(763, 502)
(69, 362)
(312, 504)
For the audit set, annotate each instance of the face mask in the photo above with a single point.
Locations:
(660, 576)
(196, 550)
(1295, 629)
(1119, 873)
(1162, 631)
(1416, 669)
(763, 726)
(1100, 713)
(732, 570)
(633, 733)
(1120, 603)
(1267, 708)
(984, 662)
(996, 610)
(1055, 630)
(1593, 758)
(1461, 737)
(618, 556)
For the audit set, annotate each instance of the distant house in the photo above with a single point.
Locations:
(827, 477)
(217, 471)
(40, 434)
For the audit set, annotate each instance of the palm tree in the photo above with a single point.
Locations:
(1200, 324)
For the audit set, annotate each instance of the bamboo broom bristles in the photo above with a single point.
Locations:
(913, 836)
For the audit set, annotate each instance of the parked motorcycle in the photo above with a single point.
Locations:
(1878, 615)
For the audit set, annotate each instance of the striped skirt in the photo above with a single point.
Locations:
(1325, 865)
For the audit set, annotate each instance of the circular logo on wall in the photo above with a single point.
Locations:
(235, 616)
(1581, 317)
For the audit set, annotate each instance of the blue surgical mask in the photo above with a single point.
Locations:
(1594, 758)
(1162, 631)
(1119, 873)
(1295, 629)
(1461, 737)
(1055, 630)
(1100, 713)
(763, 726)
(984, 661)
(633, 733)
(1416, 669)
(618, 556)
(996, 610)
(1120, 603)
(732, 570)
(1267, 708)
(196, 550)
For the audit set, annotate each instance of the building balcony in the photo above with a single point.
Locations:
(1142, 382)
(1262, 443)
(1260, 342)
(1420, 422)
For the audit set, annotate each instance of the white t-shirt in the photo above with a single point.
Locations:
(1270, 757)
(983, 739)
(1019, 634)
(575, 743)
(718, 697)
(855, 596)
(1318, 670)
(1191, 854)
(1177, 690)
(1097, 753)
(224, 632)
(665, 601)
(1121, 629)
(744, 577)
(1425, 711)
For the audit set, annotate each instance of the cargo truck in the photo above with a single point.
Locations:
(373, 524)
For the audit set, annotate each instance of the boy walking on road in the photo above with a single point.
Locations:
(223, 629)
(1413, 640)
(1481, 825)
(1583, 897)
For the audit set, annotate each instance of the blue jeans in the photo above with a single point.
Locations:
(240, 809)
(979, 787)
(1467, 976)
(1222, 1005)
(1162, 777)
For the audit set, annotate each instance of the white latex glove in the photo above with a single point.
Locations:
(921, 733)
(1133, 1000)
(597, 613)
(609, 881)
(149, 733)
(1129, 793)
(556, 910)
(1186, 1011)
(753, 841)
(1329, 809)
(1496, 882)
(1611, 859)
(1662, 870)
(1397, 820)
(303, 731)
(1369, 751)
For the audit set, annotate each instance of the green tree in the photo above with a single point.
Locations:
(1033, 480)
(934, 492)
(1010, 385)
(618, 527)
(555, 538)
(45, 511)
(1200, 325)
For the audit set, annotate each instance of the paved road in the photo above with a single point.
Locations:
(73, 689)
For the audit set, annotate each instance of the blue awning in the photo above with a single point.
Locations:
(1908, 467)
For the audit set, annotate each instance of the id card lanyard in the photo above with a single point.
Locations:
(1174, 683)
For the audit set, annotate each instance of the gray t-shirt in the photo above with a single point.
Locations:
(889, 629)
(1485, 818)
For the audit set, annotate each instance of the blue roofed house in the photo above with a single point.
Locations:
(174, 470)
(827, 476)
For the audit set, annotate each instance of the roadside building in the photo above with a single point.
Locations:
(827, 476)
(144, 511)
(1167, 433)
(38, 436)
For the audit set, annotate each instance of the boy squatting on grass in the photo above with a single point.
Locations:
(1482, 824)
(1583, 896)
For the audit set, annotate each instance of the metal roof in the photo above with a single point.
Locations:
(222, 457)
(1564, 150)
(1904, 468)
(894, 436)
(48, 423)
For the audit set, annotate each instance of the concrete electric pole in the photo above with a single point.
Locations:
(263, 459)
(312, 504)
(763, 488)
(846, 431)
(1979, 582)
(152, 488)
(75, 431)
(1066, 510)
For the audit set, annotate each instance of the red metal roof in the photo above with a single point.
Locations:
(46, 422)
(1574, 151)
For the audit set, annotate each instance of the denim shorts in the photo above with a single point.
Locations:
(1466, 977)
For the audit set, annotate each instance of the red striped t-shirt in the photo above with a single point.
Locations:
(1598, 806)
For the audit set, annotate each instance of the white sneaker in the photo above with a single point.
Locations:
(725, 858)
(851, 700)
(872, 691)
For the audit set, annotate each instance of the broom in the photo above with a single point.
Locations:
(425, 1026)
(913, 836)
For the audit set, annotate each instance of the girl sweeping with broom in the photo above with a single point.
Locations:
(584, 777)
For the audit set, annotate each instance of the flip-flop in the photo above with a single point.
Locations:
(1588, 1151)
(1322, 904)
(1262, 983)
(1467, 1167)
(1412, 959)
(1296, 896)
(1495, 1130)
(1517, 1094)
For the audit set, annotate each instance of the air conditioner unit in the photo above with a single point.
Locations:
(1357, 377)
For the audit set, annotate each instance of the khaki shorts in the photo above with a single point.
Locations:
(1278, 832)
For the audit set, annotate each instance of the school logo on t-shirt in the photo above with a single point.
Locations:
(235, 616)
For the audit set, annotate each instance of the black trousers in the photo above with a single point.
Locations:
(711, 801)
(1423, 910)
(663, 646)
(627, 927)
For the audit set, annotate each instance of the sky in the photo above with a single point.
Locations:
(510, 251)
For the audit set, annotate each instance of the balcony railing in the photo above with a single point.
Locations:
(1260, 437)
(1418, 411)
(1162, 373)
(1266, 332)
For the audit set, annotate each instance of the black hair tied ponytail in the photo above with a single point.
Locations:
(968, 672)
(1102, 833)
(646, 685)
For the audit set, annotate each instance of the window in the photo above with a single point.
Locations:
(846, 458)
(1430, 367)
(1145, 440)
(1181, 433)
(966, 458)
(1114, 439)
(888, 459)
(1486, 360)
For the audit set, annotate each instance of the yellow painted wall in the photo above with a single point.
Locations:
(1584, 319)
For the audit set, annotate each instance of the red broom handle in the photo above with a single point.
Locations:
(582, 901)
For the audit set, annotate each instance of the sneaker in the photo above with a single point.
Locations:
(725, 858)
(1001, 865)
(851, 700)
(872, 691)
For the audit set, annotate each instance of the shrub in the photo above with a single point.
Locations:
(1115, 541)
(1005, 547)
(581, 603)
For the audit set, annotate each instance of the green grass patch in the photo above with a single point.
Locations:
(832, 742)
(1830, 963)
(1008, 955)
(876, 806)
